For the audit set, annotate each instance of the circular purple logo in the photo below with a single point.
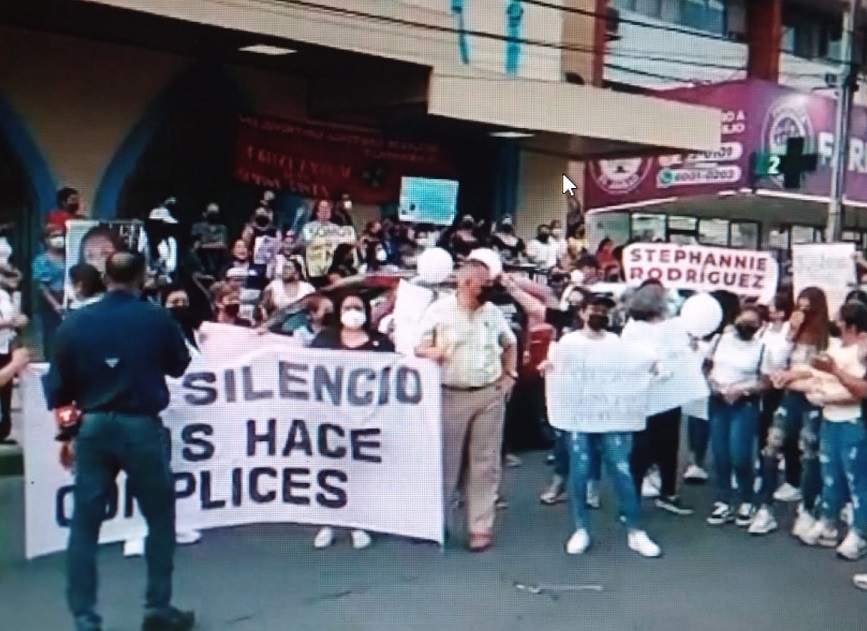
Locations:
(787, 118)
(618, 177)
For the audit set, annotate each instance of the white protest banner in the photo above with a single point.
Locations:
(348, 439)
(597, 386)
(828, 266)
(747, 273)
(681, 379)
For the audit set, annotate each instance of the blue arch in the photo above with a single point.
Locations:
(136, 142)
(42, 182)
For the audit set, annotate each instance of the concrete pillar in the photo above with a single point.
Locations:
(764, 37)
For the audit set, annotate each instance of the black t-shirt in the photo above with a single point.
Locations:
(330, 339)
(515, 314)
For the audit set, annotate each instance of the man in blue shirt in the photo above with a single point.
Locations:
(111, 361)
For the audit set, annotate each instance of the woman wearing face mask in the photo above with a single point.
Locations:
(540, 251)
(49, 274)
(738, 369)
(354, 332)
(605, 253)
(808, 336)
(227, 304)
(174, 298)
(289, 288)
(505, 243)
(463, 240)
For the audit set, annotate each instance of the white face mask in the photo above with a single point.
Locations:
(57, 243)
(347, 205)
(381, 255)
(353, 319)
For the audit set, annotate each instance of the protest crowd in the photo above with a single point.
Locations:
(510, 323)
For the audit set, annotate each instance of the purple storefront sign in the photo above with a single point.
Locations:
(757, 116)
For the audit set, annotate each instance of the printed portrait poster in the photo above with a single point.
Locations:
(322, 240)
(92, 242)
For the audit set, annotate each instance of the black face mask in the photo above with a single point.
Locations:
(232, 310)
(597, 322)
(73, 208)
(746, 331)
(543, 238)
(488, 292)
(183, 315)
(507, 229)
(212, 218)
(467, 225)
(262, 221)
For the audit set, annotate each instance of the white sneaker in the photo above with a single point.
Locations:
(324, 538)
(763, 523)
(593, 499)
(643, 545)
(187, 537)
(651, 485)
(860, 581)
(695, 474)
(555, 493)
(360, 539)
(578, 542)
(788, 493)
(744, 516)
(853, 547)
(134, 547)
(822, 534)
(847, 515)
(803, 523)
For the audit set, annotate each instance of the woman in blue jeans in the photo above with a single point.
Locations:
(737, 377)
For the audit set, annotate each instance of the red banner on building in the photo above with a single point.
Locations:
(314, 160)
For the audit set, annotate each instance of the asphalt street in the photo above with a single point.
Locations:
(266, 578)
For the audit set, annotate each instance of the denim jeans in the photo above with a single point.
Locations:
(107, 444)
(795, 417)
(698, 435)
(561, 458)
(615, 447)
(844, 470)
(733, 428)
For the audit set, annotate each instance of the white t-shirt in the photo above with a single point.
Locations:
(7, 312)
(281, 299)
(848, 359)
(778, 348)
(737, 361)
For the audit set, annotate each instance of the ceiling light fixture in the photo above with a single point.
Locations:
(511, 134)
(265, 49)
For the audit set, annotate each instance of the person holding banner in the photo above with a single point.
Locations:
(354, 332)
(597, 395)
(111, 364)
(477, 350)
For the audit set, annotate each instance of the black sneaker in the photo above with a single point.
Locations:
(673, 505)
(171, 620)
(722, 514)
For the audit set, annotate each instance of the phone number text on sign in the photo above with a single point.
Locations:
(668, 178)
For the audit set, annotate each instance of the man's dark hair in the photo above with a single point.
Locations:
(854, 314)
(89, 277)
(857, 295)
(168, 290)
(125, 268)
(64, 194)
(587, 261)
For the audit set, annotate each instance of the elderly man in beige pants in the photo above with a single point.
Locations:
(472, 341)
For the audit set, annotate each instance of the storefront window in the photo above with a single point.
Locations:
(713, 232)
(614, 226)
(648, 228)
(676, 222)
(745, 234)
(805, 234)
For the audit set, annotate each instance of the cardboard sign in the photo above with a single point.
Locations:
(322, 240)
(828, 266)
(747, 273)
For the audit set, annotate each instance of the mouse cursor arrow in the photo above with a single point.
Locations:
(568, 186)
